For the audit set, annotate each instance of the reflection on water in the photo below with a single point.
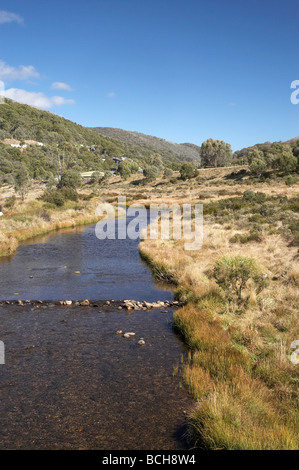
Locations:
(75, 264)
(70, 382)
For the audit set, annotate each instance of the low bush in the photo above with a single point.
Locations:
(246, 238)
(59, 196)
(10, 202)
(232, 272)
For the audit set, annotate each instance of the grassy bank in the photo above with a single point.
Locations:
(239, 369)
(33, 217)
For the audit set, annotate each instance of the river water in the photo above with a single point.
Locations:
(69, 381)
(75, 264)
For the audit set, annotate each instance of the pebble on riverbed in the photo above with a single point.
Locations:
(129, 305)
(129, 334)
(137, 305)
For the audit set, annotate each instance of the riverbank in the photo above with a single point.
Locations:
(33, 217)
(239, 370)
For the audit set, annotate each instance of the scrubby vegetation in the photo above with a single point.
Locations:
(240, 289)
(46, 145)
(240, 318)
(281, 157)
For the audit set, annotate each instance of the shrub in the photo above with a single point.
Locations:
(187, 171)
(168, 172)
(232, 272)
(286, 162)
(290, 180)
(258, 166)
(54, 197)
(254, 197)
(69, 194)
(246, 238)
(150, 172)
(59, 196)
(45, 215)
(70, 179)
(10, 202)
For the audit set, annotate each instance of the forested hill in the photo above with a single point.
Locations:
(23, 122)
(40, 140)
(163, 147)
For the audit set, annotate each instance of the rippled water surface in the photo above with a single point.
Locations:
(69, 381)
(75, 264)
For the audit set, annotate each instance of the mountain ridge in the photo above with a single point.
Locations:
(185, 151)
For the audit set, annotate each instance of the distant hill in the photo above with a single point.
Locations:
(264, 147)
(292, 141)
(163, 147)
(45, 143)
(23, 122)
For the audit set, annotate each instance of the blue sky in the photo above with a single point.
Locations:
(183, 70)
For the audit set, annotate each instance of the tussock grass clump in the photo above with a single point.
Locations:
(240, 416)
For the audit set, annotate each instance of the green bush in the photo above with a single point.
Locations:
(70, 179)
(258, 166)
(59, 196)
(55, 197)
(168, 172)
(150, 172)
(254, 197)
(246, 238)
(286, 162)
(69, 194)
(232, 272)
(10, 202)
(290, 180)
(187, 171)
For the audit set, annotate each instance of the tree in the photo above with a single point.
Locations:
(95, 177)
(286, 162)
(232, 272)
(187, 171)
(255, 154)
(22, 181)
(168, 173)
(70, 179)
(127, 168)
(258, 166)
(150, 172)
(215, 153)
(156, 160)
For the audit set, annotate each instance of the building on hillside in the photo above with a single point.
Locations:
(117, 161)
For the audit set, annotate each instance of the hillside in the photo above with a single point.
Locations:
(161, 146)
(266, 147)
(21, 122)
(43, 142)
(292, 141)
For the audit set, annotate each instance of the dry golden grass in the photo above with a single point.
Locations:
(239, 368)
(27, 219)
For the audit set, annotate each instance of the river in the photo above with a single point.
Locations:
(69, 380)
